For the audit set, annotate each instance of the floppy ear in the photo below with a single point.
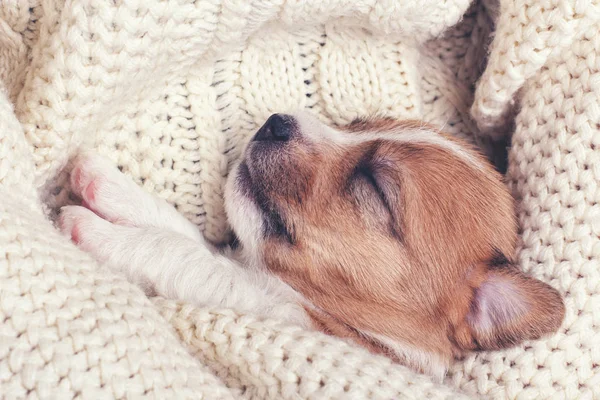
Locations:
(509, 307)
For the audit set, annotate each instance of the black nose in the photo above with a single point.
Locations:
(279, 127)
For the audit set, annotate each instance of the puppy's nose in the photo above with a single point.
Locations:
(279, 127)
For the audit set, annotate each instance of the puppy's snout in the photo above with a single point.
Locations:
(279, 127)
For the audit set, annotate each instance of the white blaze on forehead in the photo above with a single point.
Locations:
(430, 137)
(316, 131)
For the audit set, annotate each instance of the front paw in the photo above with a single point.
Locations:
(104, 189)
(86, 229)
(106, 242)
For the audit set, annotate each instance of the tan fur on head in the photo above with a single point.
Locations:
(397, 236)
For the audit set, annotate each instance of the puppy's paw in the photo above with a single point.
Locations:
(105, 190)
(89, 170)
(90, 232)
(118, 199)
(110, 244)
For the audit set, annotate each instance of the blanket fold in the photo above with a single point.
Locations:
(171, 91)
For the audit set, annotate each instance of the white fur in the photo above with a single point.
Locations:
(146, 239)
(318, 132)
(121, 201)
(245, 217)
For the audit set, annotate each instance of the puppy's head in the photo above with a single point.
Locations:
(396, 235)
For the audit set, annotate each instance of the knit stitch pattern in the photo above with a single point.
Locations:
(549, 53)
(172, 90)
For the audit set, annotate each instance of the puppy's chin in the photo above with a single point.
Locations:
(243, 214)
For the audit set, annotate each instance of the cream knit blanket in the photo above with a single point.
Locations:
(171, 91)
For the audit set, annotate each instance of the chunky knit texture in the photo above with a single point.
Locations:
(549, 53)
(171, 90)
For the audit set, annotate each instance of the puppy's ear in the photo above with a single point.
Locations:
(509, 307)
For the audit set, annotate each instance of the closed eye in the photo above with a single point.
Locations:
(366, 190)
(366, 174)
(372, 200)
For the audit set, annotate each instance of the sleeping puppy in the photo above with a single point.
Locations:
(385, 232)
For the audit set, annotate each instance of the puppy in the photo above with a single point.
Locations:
(386, 233)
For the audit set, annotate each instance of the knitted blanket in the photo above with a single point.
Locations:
(171, 91)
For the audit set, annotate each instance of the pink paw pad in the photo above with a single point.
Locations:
(68, 224)
(76, 178)
(89, 193)
(75, 234)
(85, 186)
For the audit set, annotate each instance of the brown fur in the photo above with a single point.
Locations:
(404, 259)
